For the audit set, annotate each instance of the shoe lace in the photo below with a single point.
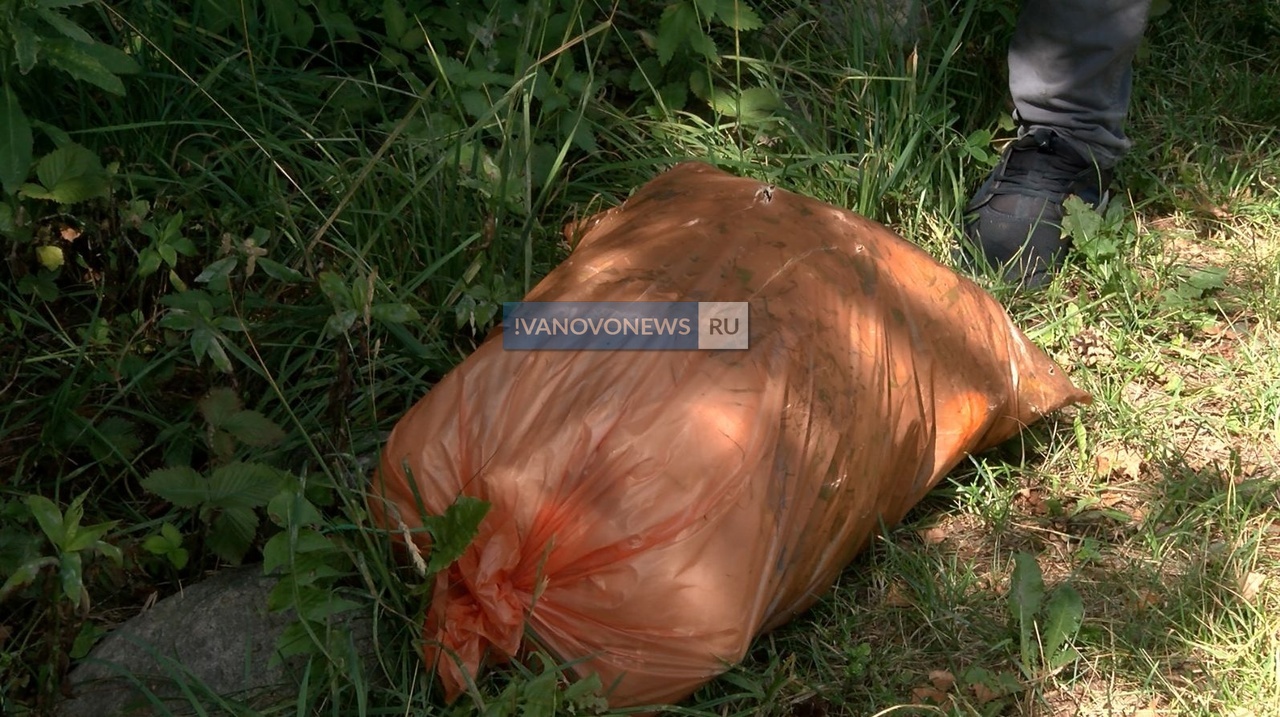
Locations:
(1046, 169)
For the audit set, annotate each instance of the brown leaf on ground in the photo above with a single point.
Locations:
(925, 693)
(1146, 599)
(70, 234)
(1119, 461)
(942, 680)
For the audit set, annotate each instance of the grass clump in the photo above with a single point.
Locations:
(224, 286)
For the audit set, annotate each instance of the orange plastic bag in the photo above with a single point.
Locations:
(652, 512)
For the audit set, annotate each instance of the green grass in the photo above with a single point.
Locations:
(437, 193)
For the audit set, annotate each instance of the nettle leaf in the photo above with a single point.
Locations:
(15, 142)
(180, 485)
(232, 533)
(244, 485)
(67, 163)
(253, 429)
(736, 15)
(452, 532)
(219, 405)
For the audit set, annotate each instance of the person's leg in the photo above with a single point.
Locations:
(1070, 74)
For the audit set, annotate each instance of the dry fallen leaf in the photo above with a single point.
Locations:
(1118, 461)
(1147, 599)
(925, 693)
(70, 234)
(1250, 584)
(942, 680)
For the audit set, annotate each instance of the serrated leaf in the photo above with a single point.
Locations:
(70, 57)
(71, 575)
(180, 485)
(78, 189)
(393, 313)
(219, 405)
(452, 532)
(48, 516)
(1063, 613)
(677, 23)
(736, 15)
(15, 142)
(1026, 591)
(65, 26)
(171, 534)
(279, 272)
(244, 485)
(232, 533)
(26, 46)
(67, 163)
(253, 429)
(1080, 220)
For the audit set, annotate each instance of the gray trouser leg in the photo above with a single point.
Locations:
(1071, 70)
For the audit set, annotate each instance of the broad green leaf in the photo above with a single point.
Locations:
(393, 313)
(171, 534)
(65, 26)
(70, 57)
(48, 516)
(253, 429)
(111, 552)
(216, 353)
(219, 405)
(50, 257)
(232, 533)
(26, 46)
(320, 605)
(88, 537)
(279, 552)
(218, 270)
(178, 557)
(168, 254)
(452, 532)
(75, 190)
(180, 485)
(279, 272)
(244, 485)
(1208, 278)
(157, 545)
(736, 15)
(71, 574)
(1063, 613)
(1026, 590)
(148, 262)
(754, 103)
(114, 59)
(291, 509)
(341, 322)
(85, 639)
(336, 289)
(55, 4)
(15, 142)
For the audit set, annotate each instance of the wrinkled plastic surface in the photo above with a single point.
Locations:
(652, 512)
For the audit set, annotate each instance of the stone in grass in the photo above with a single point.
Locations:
(216, 636)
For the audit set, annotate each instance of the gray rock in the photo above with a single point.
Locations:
(213, 642)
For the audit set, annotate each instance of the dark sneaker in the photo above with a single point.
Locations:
(1014, 221)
